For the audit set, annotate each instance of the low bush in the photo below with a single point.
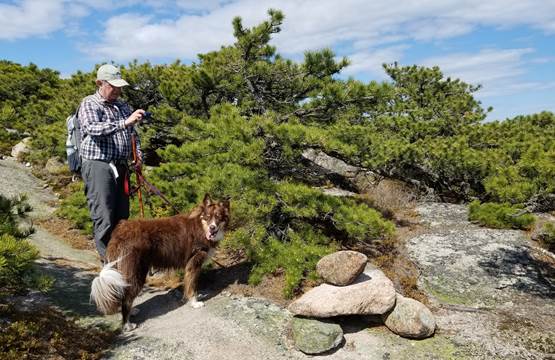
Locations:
(74, 208)
(547, 237)
(10, 211)
(17, 272)
(500, 216)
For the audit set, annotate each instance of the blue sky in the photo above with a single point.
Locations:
(507, 46)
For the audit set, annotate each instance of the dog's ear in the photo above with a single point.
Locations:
(207, 200)
(226, 204)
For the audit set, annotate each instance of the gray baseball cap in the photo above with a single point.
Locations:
(111, 74)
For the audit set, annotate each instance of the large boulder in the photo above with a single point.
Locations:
(342, 267)
(314, 336)
(338, 172)
(410, 318)
(372, 293)
(21, 149)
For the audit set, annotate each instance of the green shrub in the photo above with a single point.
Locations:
(548, 236)
(74, 208)
(17, 271)
(11, 210)
(17, 256)
(296, 258)
(499, 216)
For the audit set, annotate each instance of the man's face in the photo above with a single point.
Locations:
(109, 92)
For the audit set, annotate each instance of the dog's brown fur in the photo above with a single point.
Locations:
(177, 242)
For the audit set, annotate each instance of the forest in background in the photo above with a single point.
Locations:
(236, 122)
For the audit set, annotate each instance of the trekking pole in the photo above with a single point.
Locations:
(137, 173)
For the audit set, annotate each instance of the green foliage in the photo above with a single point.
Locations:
(17, 256)
(26, 93)
(74, 208)
(499, 216)
(548, 236)
(17, 270)
(297, 258)
(11, 210)
(225, 157)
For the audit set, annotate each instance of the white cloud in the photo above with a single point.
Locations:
(312, 24)
(371, 61)
(133, 36)
(499, 71)
(199, 5)
(30, 18)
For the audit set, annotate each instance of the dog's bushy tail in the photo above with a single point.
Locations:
(108, 288)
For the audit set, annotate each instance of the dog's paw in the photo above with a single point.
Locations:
(134, 311)
(129, 326)
(195, 304)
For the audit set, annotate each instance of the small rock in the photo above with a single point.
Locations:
(410, 318)
(21, 149)
(342, 267)
(28, 164)
(314, 336)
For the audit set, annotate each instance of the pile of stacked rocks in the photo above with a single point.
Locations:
(353, 287)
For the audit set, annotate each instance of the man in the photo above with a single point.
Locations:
(106, 127)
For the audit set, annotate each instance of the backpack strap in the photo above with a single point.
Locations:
(77, 123)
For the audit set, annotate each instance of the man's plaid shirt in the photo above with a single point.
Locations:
(104, 135)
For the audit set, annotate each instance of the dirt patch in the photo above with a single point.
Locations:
(44, 332)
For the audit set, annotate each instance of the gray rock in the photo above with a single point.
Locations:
(21, 149)
(339, 172)
(471, 265)
(372, 293)
(410, 318)
(342, 267)
(314, 336)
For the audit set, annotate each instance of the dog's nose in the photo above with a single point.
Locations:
(212, 227)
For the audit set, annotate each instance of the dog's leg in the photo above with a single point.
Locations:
(137, 278)
(192, 272)
(126, 307)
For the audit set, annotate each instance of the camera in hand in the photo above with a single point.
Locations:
(147, 117)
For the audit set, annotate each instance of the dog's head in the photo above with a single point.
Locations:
(214, 218)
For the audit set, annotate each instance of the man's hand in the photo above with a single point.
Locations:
(138, 164)
(135, 117)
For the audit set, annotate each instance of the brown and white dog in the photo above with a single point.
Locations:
(177, 242)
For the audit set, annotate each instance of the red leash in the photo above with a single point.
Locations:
(142, 181)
